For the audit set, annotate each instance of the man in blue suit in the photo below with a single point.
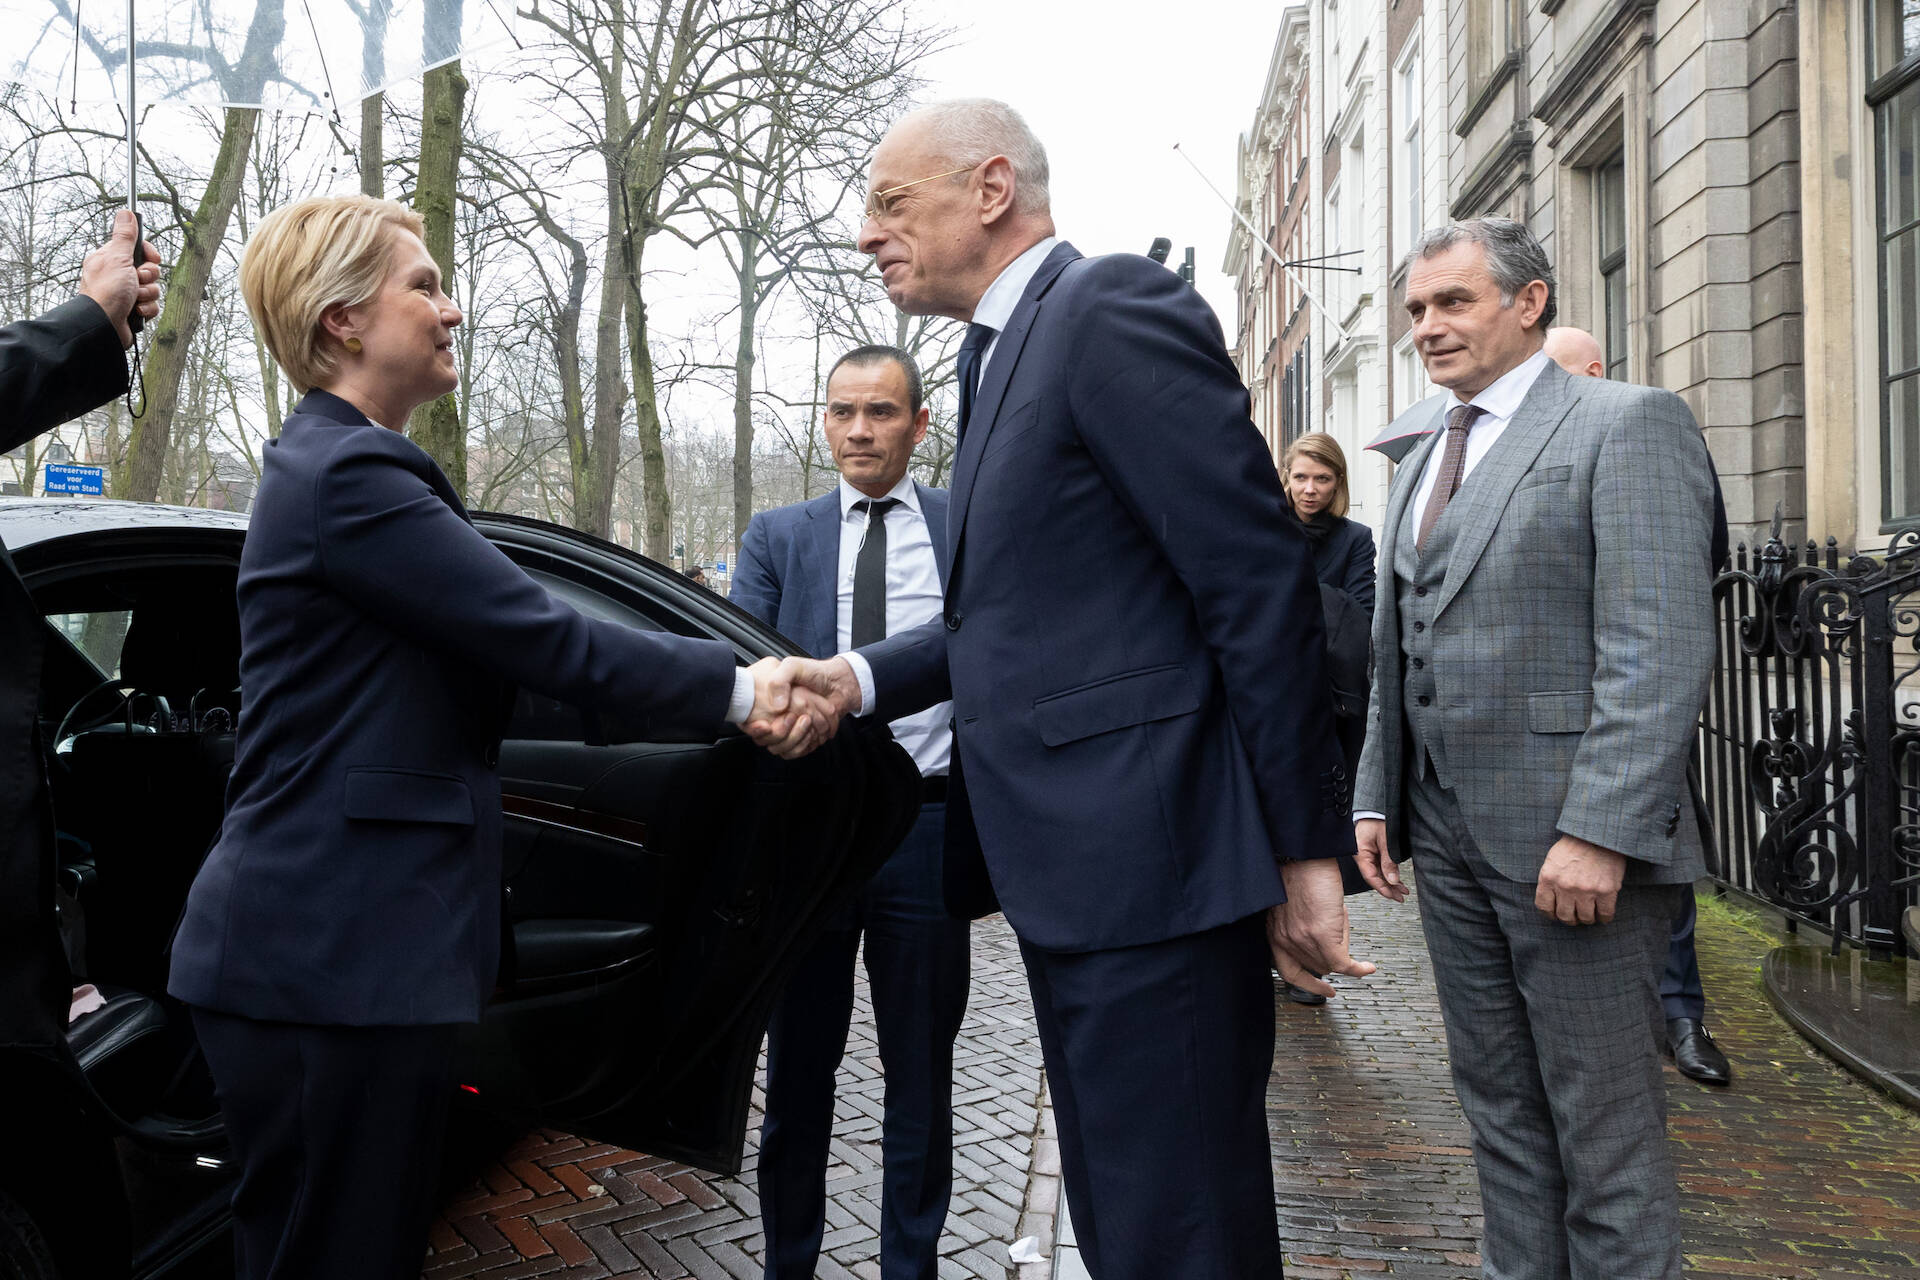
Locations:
(848, 568)
(1133, 644)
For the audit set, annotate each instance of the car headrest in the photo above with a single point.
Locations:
(178, 647)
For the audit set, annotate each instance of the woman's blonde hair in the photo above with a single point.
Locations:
(307, 256)
(1325, 450)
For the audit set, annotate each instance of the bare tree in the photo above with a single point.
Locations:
(789, 152)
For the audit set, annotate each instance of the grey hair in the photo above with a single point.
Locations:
(1514, 257)
(969, 131)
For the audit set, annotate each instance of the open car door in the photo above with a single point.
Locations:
(657, 892)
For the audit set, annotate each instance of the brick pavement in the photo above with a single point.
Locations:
(1798, 1172)
(550, 1204)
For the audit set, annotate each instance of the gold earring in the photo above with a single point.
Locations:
(353, 345)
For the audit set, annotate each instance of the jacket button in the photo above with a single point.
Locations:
(1420, 591)
(1424, 700)
(954, 620)
(1418, 663)
(1419, 626)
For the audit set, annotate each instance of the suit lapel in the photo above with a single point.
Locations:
(1406, 481)
(819, 549)
(933, 509)
(1483, 498)
(993, 389)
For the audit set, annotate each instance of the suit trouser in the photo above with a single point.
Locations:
(337, 1132)
(917, 960)
(1157, 1059)
(1552, 1033)
(1681, 995)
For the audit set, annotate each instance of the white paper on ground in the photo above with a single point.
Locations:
(1025, 1249)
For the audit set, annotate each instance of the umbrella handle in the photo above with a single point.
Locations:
(136, 322)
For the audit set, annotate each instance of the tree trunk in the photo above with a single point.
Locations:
(656, 500)
(743, 391)
(595, 455)
(373, 145)
(436, 427)
(180, 314)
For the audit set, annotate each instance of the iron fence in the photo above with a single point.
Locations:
(1810, 740)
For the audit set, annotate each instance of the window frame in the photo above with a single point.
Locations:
(1902, 78)
(1609, 179)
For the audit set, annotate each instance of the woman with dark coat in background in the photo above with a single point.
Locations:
(1314, 474)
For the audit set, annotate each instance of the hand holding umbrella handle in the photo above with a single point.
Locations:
(135, 321)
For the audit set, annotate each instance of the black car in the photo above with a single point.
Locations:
(656, 891)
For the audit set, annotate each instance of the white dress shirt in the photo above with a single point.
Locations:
(913, 597)
(1497, 404)
(996, 305)
(994, 310)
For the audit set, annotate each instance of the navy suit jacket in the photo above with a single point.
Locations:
(52, 368)
(790, 563)
(357, 878)
(1133, 639)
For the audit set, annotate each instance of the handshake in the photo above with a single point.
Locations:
(798, 703)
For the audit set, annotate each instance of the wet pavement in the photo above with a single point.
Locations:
(551, 1204)
(1797, 1172)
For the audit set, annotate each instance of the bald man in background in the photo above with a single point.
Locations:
(1682, 998)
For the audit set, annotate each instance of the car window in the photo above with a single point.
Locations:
(544, 719)
(100, 635)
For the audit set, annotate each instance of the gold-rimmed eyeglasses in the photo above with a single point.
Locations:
(879, 206)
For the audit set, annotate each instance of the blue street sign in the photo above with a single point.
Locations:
(720, 566)
(66, 477)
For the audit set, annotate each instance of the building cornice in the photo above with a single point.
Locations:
(1502, 73)
(1486, 177)
(1626, 26)
(1348, 123)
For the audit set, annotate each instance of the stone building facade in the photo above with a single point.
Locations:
(1271, 340)
(1657, 148)
(1653, 146)
(1360, 87)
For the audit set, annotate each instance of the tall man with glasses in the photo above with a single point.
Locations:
(848, 568)
(1132, 641)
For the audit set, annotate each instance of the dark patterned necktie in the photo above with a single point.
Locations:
(1453, 466)
(870, 574)
(967, 369)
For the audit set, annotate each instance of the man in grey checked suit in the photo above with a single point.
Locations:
(1538, 677)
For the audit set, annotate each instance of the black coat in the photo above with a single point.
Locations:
(1343, 560)
(51, 369)
(1343, 557)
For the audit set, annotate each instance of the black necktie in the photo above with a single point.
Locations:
(870, 574)
(968, 369)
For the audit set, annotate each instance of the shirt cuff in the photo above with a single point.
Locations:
(740, 705)
(1360, 815)
(863, 675)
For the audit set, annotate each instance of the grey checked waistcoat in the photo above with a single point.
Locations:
(1416, 598)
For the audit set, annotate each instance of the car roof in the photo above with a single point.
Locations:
(25, 521)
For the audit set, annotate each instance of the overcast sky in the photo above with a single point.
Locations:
(1110, 86)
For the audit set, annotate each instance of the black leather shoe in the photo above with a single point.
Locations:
(1300, 995)
(1695, 1053)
